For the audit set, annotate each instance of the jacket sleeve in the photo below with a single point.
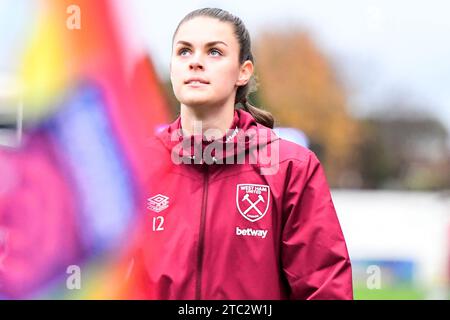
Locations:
(314, 254)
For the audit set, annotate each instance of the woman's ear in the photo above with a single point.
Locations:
(245, 73)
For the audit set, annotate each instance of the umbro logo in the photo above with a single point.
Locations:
(158, 203)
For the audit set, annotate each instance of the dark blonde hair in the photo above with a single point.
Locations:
(261, 116)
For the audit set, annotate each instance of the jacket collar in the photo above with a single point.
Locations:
(243, 135)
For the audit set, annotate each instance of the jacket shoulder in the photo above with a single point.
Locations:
(155, 141)
(156, 152)
(288, 157)
(292, 151)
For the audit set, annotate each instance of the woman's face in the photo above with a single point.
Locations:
(205, 68)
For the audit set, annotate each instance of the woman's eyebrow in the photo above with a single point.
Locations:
(209, 44)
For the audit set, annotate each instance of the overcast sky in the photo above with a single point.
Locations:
(384, 49)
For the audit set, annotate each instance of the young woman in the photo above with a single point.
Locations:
(232, 211)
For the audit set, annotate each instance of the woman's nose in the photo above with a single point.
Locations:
(195, 63)
(195, 66)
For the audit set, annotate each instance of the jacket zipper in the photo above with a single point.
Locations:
(201, 240)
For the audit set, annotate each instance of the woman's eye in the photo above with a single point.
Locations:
(183, 51)
(215, 52)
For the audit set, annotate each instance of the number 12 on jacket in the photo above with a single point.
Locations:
(158, 223)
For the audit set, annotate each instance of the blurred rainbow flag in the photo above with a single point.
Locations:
(70, 192)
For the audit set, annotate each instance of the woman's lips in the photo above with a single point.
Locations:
(196, 84)
(195, 80)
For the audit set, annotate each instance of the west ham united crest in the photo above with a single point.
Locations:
(252, 200)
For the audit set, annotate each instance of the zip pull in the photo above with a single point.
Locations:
(193, 159)
(214, 159)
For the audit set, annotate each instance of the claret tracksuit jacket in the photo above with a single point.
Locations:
(246, 216)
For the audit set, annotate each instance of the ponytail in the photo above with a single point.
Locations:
(261, 116)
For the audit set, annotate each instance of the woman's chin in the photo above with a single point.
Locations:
(193, 103)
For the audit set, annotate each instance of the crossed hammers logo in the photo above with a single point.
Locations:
(253, 204)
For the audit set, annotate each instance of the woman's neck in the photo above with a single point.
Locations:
(197, 120)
